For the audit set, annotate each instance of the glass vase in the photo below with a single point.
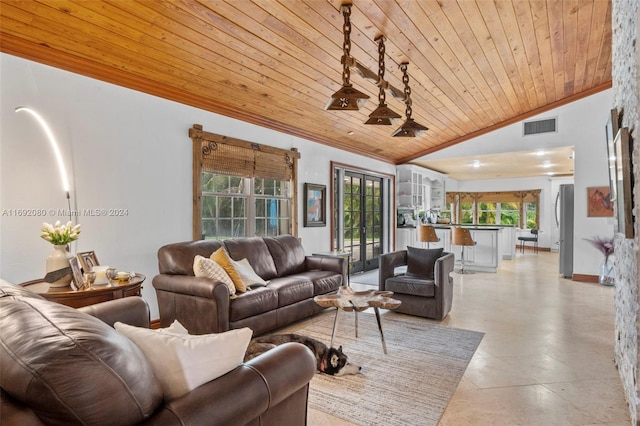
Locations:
(607, 273)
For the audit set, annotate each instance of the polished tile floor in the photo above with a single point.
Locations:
(546, 357)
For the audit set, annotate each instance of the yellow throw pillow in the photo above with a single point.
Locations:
(207, 268)
(222, 258)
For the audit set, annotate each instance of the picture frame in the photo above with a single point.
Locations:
(599, 203)
(624, 200)
(315, 205)
(611, 130)
(87, 260)
(78, 282)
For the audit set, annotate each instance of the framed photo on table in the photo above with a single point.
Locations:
(78, 280)
(315, 205)
(87, 260)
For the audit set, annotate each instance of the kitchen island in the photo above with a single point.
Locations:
(493, 244)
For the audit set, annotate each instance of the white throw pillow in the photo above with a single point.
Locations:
(207, 268)
(182, 362)
(247, 274)
(175, 328)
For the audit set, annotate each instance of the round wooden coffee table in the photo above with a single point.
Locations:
(346, 299)
(92, 295)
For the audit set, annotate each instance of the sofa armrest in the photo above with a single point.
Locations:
(444, 284)
(200, 304)
(129, 310)
(337, 264)
(388, 263)
(247, 392)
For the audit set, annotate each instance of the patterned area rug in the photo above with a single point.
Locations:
(411, 385)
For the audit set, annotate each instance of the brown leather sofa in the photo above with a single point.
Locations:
(203, 305)
(427, 293)
(64, 366)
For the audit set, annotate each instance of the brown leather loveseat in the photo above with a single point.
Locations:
(204, 305)
(65, 366)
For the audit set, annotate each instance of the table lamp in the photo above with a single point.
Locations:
(427, 234)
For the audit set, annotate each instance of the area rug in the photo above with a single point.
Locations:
(411, 385)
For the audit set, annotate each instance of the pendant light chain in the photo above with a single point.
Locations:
(381, 50)
(346, 45)
(407, 89)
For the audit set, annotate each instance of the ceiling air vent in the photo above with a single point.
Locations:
(549, 125)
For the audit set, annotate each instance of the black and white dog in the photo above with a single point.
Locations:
(330, 361)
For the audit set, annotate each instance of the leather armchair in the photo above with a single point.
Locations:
(60, 365)
(426, 297)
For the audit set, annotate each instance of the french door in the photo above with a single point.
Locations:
(362, 219)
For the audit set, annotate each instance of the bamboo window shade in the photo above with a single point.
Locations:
(235, 157)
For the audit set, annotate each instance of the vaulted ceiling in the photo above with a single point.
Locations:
(474, 66)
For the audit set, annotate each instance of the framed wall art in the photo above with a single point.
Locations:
(599, 203)
(611, 130)
(315, 205)
(87, 260)
(624, 200)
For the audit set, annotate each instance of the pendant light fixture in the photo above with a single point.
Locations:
(382, 115)
(409, 128)
(347, 98)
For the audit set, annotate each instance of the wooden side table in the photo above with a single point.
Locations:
(92, 295)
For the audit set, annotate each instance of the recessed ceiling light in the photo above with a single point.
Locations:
(540, 153)
(550, 173)
(546, 164)
(476, 163)
(350, 133)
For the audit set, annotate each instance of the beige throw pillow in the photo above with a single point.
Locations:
(182, 362)
(247, 274)
(207, 268)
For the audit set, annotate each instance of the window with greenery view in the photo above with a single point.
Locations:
(466, 213)
(487, 213)
(530, 215)
(241, 188)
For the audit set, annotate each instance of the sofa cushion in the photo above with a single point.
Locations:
(221, 257)
(403, 284)
(323, 281)
(292, 289)
(256, 252)
(247, 274)
(421, 262)
(254, 302)
(207, 268)
(288, 254)
(72, 368)
(183, 362)
(177, 258)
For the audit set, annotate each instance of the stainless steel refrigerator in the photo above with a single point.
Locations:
(564, 218)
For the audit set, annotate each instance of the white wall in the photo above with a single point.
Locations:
(580, 124)
(124, 150)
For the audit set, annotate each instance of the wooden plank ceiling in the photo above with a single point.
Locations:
(474, 66)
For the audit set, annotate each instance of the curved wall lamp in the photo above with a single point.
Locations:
(56, 150)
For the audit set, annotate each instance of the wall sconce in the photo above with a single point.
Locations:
(409, 128)
(347, 98)
(381, 115)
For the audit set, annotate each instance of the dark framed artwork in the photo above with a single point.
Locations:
(624, 200)
(315, 205)
(87, 260)
(599, 203)
(611, 130)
